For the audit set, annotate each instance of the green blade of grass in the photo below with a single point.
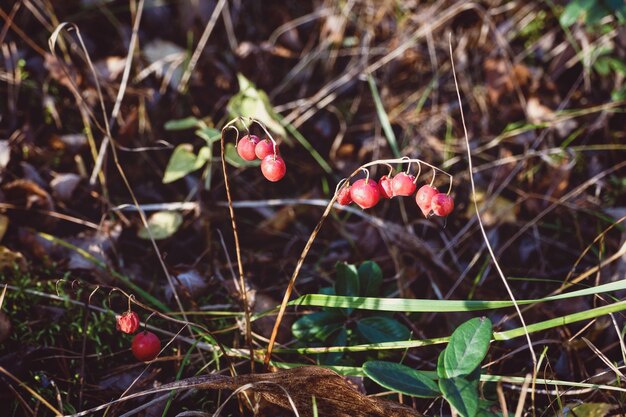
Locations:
(440, 306)
(506, 335)
(306, 144)
(382, 116)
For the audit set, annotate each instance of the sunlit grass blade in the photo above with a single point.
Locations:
(506, 335)
(440, 306)
(384, 119)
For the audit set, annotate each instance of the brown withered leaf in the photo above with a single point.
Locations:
(334, 396)
(500, 81)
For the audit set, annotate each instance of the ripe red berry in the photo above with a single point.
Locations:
(442, 204)
(264, 148)
(343, 197)
(403, 184)
(146, 346)
(423, 198)
(128, 322)
(384, 186)
(246, 147)
(365, 193)
(273, 167)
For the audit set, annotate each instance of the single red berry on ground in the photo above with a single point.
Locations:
(343, 197)
(264, 148)
(146, 346)
(423, 198)
(442, 204)
(365, 193)
(403, 184)
(128, 322)
(384, 186)
(246, 147)
(273, 167)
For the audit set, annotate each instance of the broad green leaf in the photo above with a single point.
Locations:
(347, 280)
(596, 13)
(254, 103)
(181, 124)
(401, 378)
(467, 347)
(183, 161)
(462, 394)
(571, 13)
(370, 278)
(162, 224)
(317, 326)
(382, 329)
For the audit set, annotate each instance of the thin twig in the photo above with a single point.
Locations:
(182, 86)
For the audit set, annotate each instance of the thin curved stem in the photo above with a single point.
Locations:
(231, 212)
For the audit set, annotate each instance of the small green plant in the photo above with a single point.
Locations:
(345, 326)
(604, 59)
(457, 376)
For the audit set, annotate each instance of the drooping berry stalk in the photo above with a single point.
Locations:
(338, 192)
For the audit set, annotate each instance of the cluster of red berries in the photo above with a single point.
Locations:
(366, 193)
(251, 147)
(145, 345)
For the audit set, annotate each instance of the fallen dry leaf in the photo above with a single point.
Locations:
(334, 396)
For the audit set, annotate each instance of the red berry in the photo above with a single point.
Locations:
(365, 193)
(128, 322)
(264, 148)
(246, 147)
(343, 197)
(273, 167)
(423, 198)
(384, 186)
(442, 204)
(146, 346)
(403, 184)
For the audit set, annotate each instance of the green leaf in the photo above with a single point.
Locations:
(400, 378)
(181, 124)
(462, 394)
(183, 161)
(602, 66)
(162, 224)
(317, 326)
(588, 409)
(252, 102)
(209, 134)
(596, 13)
(233, 158)
(441, 369)
(371, 278)
(484, 409)
(382, 329)
(340, 339)
(347, 281)
(467, 347)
